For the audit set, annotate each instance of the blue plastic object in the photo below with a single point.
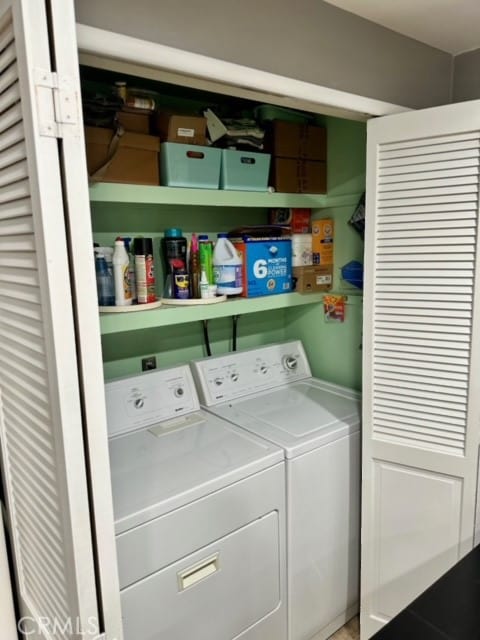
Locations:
(352, 272)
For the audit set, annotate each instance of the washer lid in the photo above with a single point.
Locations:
(298, 417)
(172, 463)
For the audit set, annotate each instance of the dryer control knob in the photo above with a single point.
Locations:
(138, 403)
(179, 391)
(218, 381)
(234, 377)
(290, 363)
(263, 369)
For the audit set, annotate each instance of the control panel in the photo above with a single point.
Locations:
(149, 398)
(223, 378)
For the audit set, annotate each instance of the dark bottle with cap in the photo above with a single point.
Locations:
(174, 247)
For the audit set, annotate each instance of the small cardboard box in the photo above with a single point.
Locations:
(294, 140)
(290, 175)
(312, 279)
(322, 242)
(297, 219)
(267, 265)
(135, 161)
(134, 121)
(180, 128)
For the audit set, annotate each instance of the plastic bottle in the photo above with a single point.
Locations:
(194, 268)
(123, 296)
(144, 270)
(204, 290)
(205, 249)
(227, 267)
(104, 276)
(131, 268)
(174, 247)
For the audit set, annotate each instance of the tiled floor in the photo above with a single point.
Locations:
(351, 631)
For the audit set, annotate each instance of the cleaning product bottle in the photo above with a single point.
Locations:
(205, 249)
(104, 277)
(144, 270)
(123, 294)
(204, 286)
(227, 267)
(131, 268)
(174, 247)
(194, 268)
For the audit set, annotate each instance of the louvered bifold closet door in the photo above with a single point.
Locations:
(43, 462)
(421, 418)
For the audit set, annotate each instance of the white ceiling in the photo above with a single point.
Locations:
(450, 25)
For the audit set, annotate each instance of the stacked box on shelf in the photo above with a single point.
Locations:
(299, 157)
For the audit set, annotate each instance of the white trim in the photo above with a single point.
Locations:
(7, 613)
(92, 40)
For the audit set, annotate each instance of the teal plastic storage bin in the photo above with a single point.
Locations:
(184, 165)
(244, 170)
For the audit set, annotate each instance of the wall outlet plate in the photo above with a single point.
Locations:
(149, 363)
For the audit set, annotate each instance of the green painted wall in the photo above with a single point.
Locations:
(333, 349)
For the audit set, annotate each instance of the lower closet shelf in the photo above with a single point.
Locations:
(173, 315)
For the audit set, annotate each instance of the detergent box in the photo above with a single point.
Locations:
(267, 265)
(322, 242)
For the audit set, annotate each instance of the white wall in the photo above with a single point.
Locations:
(466, 84)
(307, 39)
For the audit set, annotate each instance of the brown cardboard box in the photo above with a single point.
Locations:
(136, 160)
(290, 175)
(135, 121)
(178, 128)
(293, 140)
(322, 241)
(312, 279)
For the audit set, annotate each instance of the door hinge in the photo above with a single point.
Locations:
(58, 104)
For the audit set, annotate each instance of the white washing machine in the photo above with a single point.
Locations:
(199, 516)
(270, 392)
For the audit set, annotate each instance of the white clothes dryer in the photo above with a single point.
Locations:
(270, 392)
(199, 516)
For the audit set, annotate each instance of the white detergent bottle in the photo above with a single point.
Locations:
(227, 267)
(123, 294)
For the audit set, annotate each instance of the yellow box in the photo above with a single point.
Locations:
(322, 241)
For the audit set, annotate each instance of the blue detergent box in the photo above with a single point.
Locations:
(267, 265)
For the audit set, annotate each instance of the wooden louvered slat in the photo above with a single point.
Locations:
(394, 177)
(16, 209)
(418, 143)
(10, 97)
(387, 152)
(9, 77)
(426, 158)
(445, 165)
(10, 118)
(419, 185)
(7, 56)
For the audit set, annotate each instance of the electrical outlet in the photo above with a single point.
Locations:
(149, 363)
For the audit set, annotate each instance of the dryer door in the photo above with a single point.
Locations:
(228, 589)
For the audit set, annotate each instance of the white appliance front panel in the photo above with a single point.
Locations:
(170, 464)
(236, 375)
(227, 590)
(298, 417)
(323, 497)
(139, 401)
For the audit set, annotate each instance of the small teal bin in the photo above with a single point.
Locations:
(244, 171)
(184, 165)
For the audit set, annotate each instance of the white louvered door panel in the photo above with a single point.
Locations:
(42, 410)
(421, 416)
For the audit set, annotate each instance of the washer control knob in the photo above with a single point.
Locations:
(290, 363)
(179, 391)
(138, 403)
(218, 381)
(263, 369)
(234, 377)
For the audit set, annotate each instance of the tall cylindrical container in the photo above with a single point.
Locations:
(104, 276)
(144, 270)
(205, 249)
(131, 268)
(227, 267)
(174, 247)
(123, 295)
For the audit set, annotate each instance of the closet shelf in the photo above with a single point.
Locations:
(139, 194)
(167, 316)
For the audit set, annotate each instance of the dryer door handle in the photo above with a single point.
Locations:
(197, 572)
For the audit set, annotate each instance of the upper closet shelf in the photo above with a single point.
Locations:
(139, 194)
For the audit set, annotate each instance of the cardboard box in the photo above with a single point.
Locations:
(267, 265)
(322, 241)
(135, 162)
(294, 140)
(312, 279)
(180, 128)
(290, 175)
(134, 121)
(297, 219)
